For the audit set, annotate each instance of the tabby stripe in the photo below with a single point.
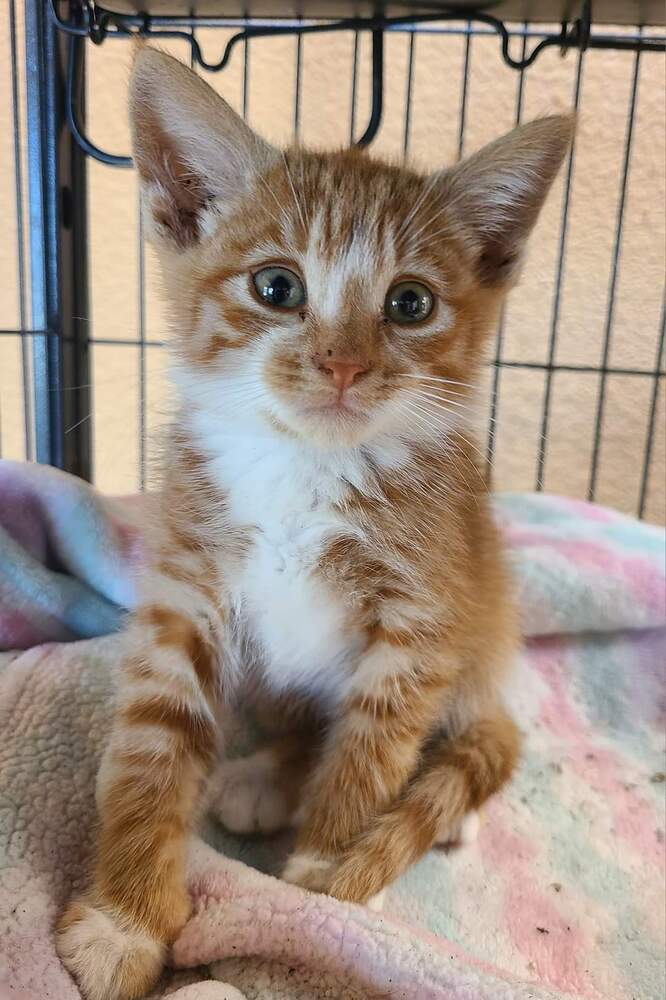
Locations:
(175, 630)
(195, 732)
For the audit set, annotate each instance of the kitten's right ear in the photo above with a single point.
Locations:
(192, 151)
(495, 196)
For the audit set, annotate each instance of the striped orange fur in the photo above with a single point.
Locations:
(324, 547)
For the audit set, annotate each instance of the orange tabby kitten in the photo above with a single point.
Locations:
(325, 539)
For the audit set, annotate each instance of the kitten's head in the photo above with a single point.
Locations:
(327, 295)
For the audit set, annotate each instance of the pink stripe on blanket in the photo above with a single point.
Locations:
(552, 948)
(634, 819)
(639, 573)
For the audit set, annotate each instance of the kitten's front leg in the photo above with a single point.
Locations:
(370, 752)
(113, 940)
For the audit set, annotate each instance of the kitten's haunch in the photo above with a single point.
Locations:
(325, 544)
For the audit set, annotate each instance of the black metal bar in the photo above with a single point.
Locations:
(652, 419)
(377, 89)
(463, 93)
(554, 327)
(52, 335)
(499, 343)
(354, 88)
(608, 331)
(246, 68)
(297, 88)
(20, 235)
(585, 369)
(39, 45)
(57, 187)
(127, 342)
(142, 350)
(408, 96)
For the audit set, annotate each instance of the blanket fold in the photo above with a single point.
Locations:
(563, 894)
(65, 563)
(69, 557)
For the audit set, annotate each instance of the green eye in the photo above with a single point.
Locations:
(279, 287)
(408, 302)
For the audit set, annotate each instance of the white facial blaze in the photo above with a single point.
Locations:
(327, 280)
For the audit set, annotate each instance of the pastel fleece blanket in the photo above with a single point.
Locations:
(561, 896)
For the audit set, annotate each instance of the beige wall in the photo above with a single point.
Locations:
(326, 81)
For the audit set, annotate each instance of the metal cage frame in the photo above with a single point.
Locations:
(57, 430)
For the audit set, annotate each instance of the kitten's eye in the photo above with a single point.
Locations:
(279, 287)
(408, 302)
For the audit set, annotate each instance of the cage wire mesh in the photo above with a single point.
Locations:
(572, 399)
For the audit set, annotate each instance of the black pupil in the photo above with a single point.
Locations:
(410, 303)
(278, 290)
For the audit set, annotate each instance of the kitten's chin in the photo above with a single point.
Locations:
(329, 427)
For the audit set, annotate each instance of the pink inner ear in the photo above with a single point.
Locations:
(182, 196)
(187, 144)
(497, 263)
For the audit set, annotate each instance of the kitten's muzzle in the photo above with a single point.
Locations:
(343, 372)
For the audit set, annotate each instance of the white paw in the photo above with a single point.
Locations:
(248, 797)
(376, 902)
(108, 962)
(309, 871)
(469, 829)
(461, 834)
(210, 989)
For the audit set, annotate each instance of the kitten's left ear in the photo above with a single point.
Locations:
(495, 196)
(190, 148)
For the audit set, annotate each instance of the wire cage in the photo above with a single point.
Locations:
(573, 398)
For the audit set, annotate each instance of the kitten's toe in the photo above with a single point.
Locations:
(376, 902)
(109, 961)
(248, 798)
(460, 834)
(310, 872)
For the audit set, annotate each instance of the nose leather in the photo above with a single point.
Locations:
(343, 373)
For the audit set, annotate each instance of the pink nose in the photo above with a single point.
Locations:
(344, 372)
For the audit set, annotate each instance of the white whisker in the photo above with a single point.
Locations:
(436, 378)
(440, 400)
(423, 412)
(297, 203)
(277, 221)
(411, 215)
(436, 428)
(419, 232)
(78, 423)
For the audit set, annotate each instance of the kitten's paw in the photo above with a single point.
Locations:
(310, 872)
(248, 797)
(461, 834)
(376, 902)
(109, 961)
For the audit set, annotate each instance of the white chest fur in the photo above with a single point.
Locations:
(285, 495)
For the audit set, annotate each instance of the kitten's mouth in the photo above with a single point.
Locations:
(336, 409)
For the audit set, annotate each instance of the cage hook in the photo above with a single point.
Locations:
(72, 84)
(96, 24)
(377, 89)
(583, 26)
